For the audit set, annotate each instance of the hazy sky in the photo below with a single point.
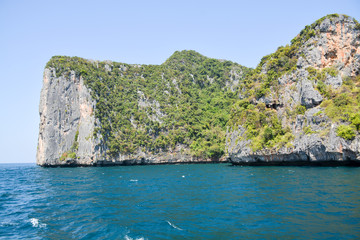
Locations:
(128, 31)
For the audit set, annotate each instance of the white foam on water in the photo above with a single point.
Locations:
(133, 180)
(183, 176)
(130, 238)
(174, 226)
(36, 223)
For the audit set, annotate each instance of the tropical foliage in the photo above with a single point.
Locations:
(186, 100)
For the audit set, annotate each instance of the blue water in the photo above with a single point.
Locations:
(213, 201)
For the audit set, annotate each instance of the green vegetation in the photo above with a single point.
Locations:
(282, 62)
(183, 101)
(187, 100)
(345, 131)
(307, 130)
(261, 122)
(309, 31)
(357, 24)
(72, 152)
(262, 125)
(319, 113)
(68, 154)
(300, 110)
(343, 105)
(320, 75)
(277, 64)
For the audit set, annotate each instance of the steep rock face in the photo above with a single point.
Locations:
(106, 113)
(306, 149)
(299, 106)
(326, 54)
(336, 45)
(66, 121)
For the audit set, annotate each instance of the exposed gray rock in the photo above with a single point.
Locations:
(309, 97)
(301, 63)
(334, 82)
(67, 119)
(67, 123)
(174, 82)
(336, 45)
(313, 56)
(325, 25)
(107, 68)
(270, 100)
(236, 75)
(308, 149)
(154, 105)
(66, 109)
(297, 89)
(290, 96)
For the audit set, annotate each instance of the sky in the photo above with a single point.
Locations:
(143, 32)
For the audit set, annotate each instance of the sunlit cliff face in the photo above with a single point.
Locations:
(337, 45)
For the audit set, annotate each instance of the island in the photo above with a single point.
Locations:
(299, 106)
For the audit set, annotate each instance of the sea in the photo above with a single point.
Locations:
(190, 201)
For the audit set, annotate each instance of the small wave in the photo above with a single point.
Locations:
(133, 180)
(174, 226)
(130, 238)
(5, 195)
(36, 223)
(8, 224)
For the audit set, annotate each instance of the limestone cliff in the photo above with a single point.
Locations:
(315, 101)
(66, 122)
(106, 113)
(301, 105)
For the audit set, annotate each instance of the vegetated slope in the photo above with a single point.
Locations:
(142, 111)
(301, 104)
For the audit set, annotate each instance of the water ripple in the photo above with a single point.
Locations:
(179, 202)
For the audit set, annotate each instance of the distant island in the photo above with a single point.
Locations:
(299, 106)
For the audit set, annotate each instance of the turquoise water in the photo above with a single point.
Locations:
(213, 201)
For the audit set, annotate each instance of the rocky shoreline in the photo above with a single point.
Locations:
(348, 163)
(72, 163)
